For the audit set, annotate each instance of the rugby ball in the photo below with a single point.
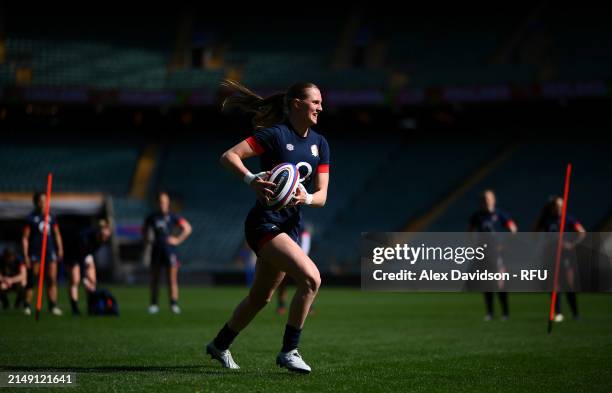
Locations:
(286, 178)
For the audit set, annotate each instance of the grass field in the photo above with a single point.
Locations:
(356, 341)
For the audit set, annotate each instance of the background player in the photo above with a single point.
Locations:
(550, 221)
(90, 241)
(285, 135)
(165, 231)
(490, 219)
(13, 277)
(32, 245)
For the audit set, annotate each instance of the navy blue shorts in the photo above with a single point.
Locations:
(259, 234)
(50, 257)
(82, 262)
(164, 257)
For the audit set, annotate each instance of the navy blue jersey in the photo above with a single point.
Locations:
(552, 223)
(89, 242)
(281, 143)
(162, 226)
(486, 221)
(35, 224)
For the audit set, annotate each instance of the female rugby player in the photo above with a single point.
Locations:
(550, 221)
(159, 230)
(490, 219)
(31, 242)
(284, 134)
(90, 241)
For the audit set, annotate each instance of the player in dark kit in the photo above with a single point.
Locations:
(489, 219)
(90, 241)
(32, 245)
(550, 221)
(284, 134)
(164, 231)
(13, 277)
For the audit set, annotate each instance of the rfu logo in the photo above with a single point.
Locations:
(41, 226)
(289, 147)
(315, 150)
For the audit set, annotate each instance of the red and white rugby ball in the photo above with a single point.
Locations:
(286, 178)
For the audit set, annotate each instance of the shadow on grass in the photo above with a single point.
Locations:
(186, 369)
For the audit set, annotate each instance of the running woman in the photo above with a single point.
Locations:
(90, 241)
(490, 219)
(31, 241)
(550, 221)
(284, 134)
(160, 229)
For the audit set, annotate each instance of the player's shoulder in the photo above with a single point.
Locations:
(320, 141)
(34, 217)
(317, 135)
(274, 129)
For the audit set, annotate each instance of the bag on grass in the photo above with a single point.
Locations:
(102, 302)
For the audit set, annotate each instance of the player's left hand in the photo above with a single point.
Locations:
(300, 196)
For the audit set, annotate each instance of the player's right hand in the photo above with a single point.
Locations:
(27, 262)
(262, 188)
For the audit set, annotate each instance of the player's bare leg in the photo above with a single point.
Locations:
(286, 255)
(90, 281)
(153, 307)
(75, 278)
(52, 288)
(267, 278)
(29, 294)
(173, 289)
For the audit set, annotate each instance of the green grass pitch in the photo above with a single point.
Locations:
(356, 341)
